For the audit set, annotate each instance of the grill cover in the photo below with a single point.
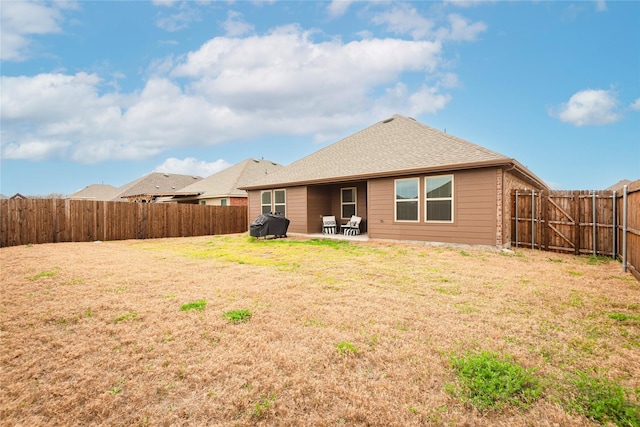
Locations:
(269, 225)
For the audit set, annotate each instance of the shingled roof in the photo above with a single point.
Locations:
(396, 146)
(103, 192)
(157, 184)
(226, 182)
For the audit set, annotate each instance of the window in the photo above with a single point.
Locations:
(348, 202)
(439, 198)
(223, 202)
(407, 191)
(203, 202)
(280, 204)
(279, 199)
(265, 201)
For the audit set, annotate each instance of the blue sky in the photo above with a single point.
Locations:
(108, 91)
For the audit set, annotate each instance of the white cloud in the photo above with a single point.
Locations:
(35, 150)
(230, 89)
(601, 5)
(635, 105)
(461, 30)
(234, 26)
(589, 107)
(191, 166)
(20, 20)
(338, 7)
(179, 20)
(405, 19)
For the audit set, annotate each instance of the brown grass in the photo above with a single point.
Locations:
(93, 333)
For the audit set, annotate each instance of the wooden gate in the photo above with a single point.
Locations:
(579, 222)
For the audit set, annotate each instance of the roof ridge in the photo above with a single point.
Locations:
(242, 170)
(450, 136)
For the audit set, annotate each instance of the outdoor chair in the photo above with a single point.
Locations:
(352, 227)
(329, 225)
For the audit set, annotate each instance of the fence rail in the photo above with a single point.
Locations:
(580, 222)
(62, 220)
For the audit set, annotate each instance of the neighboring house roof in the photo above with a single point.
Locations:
(226, 182)
(619, 185)
(18, 196)
(2, 196)
(396, 146)
(96, 192)
(156, 184)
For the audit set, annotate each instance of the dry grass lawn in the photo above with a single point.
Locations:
(339, 334)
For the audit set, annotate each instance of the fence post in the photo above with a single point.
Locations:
(533, 219)
(576, 204)
(614, 237)
(624, 228)
(593, 208)
(544, 220)
(516, 218)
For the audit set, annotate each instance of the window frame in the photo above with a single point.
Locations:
(283, 204)
(262, 204)
(354, 203)
(272, 201)
(396, 200)
(437, 199)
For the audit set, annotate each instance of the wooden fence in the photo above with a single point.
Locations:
(603, 223)
(63, 220)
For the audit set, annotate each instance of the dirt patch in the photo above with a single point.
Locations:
(93, 333)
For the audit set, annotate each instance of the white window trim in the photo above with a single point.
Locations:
(354, 203)
(395, 200)
(426, 200)
(262, 205)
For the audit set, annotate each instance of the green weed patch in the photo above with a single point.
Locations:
(195, 305)
(621, 317)
(602, 400)
(131, 315)
(238, 316)
(345, 347)
(42, 274)
(490, 382)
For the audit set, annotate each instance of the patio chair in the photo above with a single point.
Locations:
(329, 225)
(352, 227)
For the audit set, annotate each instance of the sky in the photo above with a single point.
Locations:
(105, 92)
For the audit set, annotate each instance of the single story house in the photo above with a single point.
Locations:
(406, 180)
(150, 188)
(221, 189)
(102, 192)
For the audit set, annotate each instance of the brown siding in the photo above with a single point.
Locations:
(297, 209)
(253, 201)
(362, 209)
(475, 203)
